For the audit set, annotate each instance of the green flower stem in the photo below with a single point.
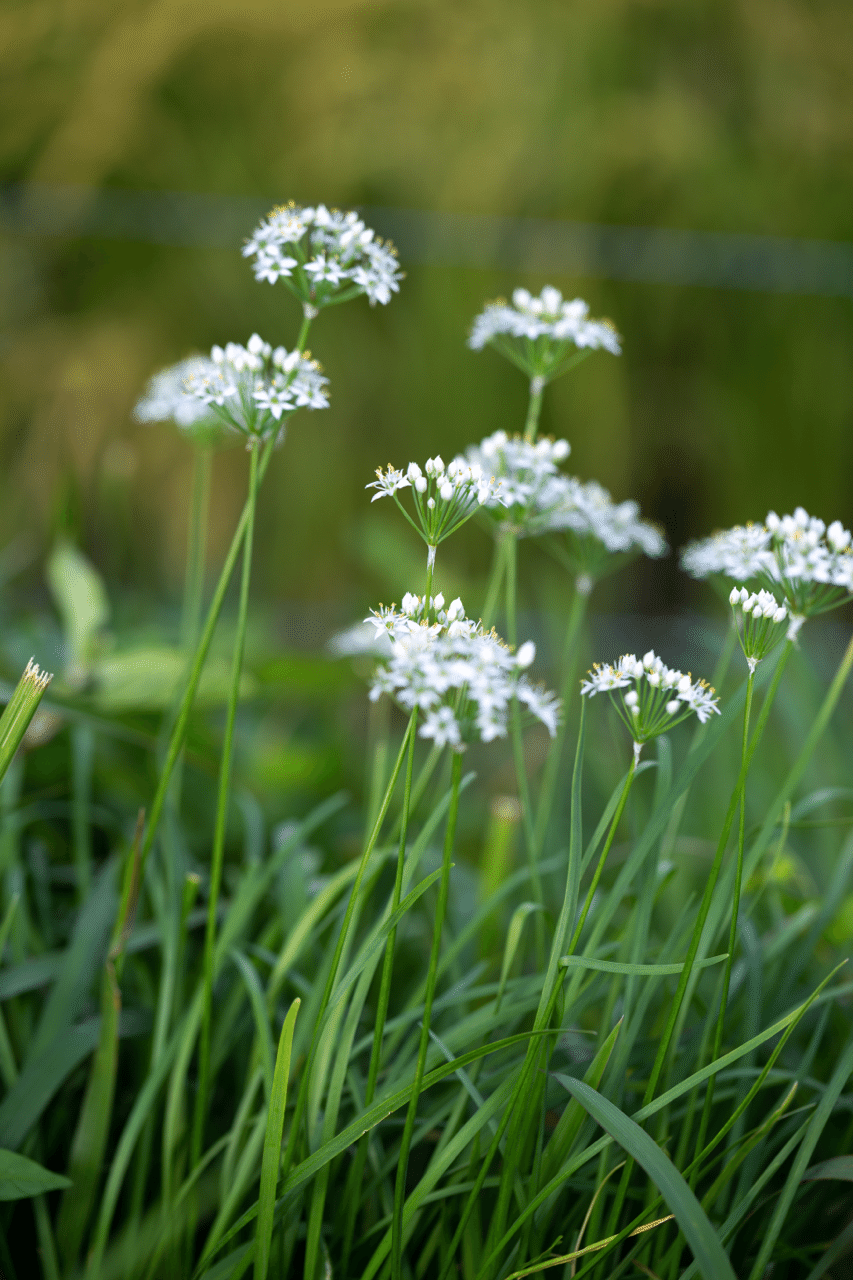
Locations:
(357, 1171)
(721, 1015)
(179, 731)
(511, 555)
(493, 590)
(196, 546)
(408, 1129)
(218, 853)
(430, 571)
(534, 409)
(590, 894)
(303, 333)
(302, 1096)
(82, 757)
(545, 806)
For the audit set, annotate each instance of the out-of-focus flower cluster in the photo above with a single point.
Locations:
(323, 256)
(810, 564)
(444, 496)
(541, 335)
(658, 696)
(460, 677)
(526, 471)
(758, 618)
(252, 388)
(165, 399)
(549, 315)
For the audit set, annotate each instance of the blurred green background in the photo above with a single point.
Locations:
(732, 116)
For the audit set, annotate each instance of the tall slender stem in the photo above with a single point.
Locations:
(218, 853)
(196, 546)
(534, 408)
(409, 1127)
(623, 800)
(493, 590)
(555, 752)
(724, 997)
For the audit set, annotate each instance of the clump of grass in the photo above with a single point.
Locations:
(627, 1051)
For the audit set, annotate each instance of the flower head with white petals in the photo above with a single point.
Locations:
(444, 497)
(545, 335)
(253, 388)
(759, 619)
(526, 471)
(323, 256)
(460, 677)
(658, 696)
(165, 399)
(600, 534)
(796, 556)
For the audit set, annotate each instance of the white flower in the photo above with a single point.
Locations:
(166, 398)
(323, 256)
(599, 528)
(757, 618)
(251, 388)
(648, 709)
(794, 555)
(462, 677)
(444, 497)
(526, 471)
(528, 319)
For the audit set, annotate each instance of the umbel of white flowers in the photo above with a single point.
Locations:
(253, 388)
(323, 256)
(758, 618)
(536, 498)
(444, 497)
(543, 335)
(658, 696)
(460, 677)
(165, 399)
(795, 555)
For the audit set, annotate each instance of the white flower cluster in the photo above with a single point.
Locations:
(323, 255)
(660, 696)
(758, 617)
(526, 471)
(462, 678)
(560, 324)
(251, 388)
(599, 527)
(444, 496)
(165, 399)
(810, 564)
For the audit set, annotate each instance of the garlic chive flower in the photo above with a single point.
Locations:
(526, 471)
(444, 497)
(323, 256)
(543, 336)
(657, 696)
(461, 678)
(796, 556)
(165, 400)
(601, 535)
(253, 388)
(758, 620)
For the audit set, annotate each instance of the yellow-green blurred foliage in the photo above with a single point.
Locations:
(727, 115)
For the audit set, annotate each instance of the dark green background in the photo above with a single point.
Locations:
(732, 116)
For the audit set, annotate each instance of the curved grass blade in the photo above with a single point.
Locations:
(637, 970)
(688, 1212)
(21, 1178)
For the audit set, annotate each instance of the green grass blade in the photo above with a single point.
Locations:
(689, 1214)
(19, 711)
(636, 970)
(272, 1145)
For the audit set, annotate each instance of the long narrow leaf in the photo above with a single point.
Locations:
(688, 1212)
(272, 1144)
